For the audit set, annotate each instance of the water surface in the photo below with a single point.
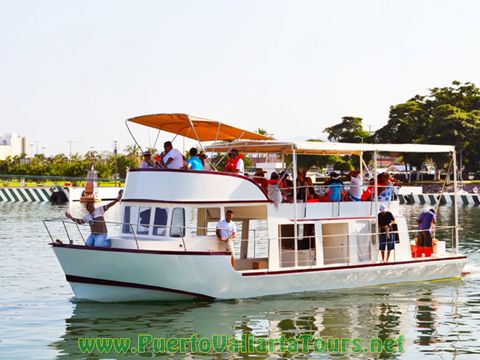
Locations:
(39, 320)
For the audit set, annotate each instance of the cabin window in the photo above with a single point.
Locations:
(160, 222)
(204, 221)
(305, 245)
(126, 227)
(143, 224)
(177, 228)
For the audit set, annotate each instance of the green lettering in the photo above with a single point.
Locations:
(104, 345)
(172, 345)
(357, 345)
(219, 343)
(183, 345)
(305, 340)
(159, 346)
(345, 343)
(143, 341)
(234, 346)
(376, 345)
(292, 345)
(333, 345)
(282, 344)
(86, 345)
(194, 343)
(319, 345)
(204, 345)
(271, 345)
(261, 345)
(401, 343)
(121, 345)
(389, 345)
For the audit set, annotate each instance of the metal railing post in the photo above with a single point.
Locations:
(135, 236)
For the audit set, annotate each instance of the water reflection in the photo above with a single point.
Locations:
(379, 312)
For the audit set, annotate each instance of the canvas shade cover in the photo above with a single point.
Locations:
(196, 128)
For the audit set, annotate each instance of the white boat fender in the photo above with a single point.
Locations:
(475, 190)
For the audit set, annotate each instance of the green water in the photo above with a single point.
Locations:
(39, 319)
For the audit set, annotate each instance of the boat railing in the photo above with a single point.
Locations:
(320, 190)
(74, 233)
(350, 251)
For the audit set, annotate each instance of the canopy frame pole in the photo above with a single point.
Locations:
(375, 194)
(361, 166)
(455, 205)
(195, 132)
(295, 212)
(133, 137)
(156, 139)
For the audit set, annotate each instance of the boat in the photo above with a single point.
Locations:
(165, 247)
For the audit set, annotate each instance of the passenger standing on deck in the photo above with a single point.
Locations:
(194, 163)
(235, 162)
(171, 158)
(425, 222)
(226, 231)
(95, 219)
(387, 240)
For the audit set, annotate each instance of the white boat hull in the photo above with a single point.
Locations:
(115, 275)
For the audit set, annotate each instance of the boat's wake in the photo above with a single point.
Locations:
(472, 271)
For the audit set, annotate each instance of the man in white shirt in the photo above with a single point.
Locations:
(226, 230)
(171, 158)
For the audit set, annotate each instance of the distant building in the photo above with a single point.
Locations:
(12, 145)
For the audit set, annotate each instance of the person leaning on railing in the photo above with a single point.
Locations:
(95, 219)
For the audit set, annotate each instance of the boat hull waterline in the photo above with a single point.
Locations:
(116, 275)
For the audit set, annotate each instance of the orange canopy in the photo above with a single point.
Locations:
(196, 128)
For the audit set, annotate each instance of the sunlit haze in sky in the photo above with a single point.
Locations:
(74, 71)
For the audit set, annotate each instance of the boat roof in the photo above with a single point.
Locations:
(196, 128)
(325, 148)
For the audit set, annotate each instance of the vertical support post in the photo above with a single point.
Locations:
(295, 214)
(375, 194)
(361, 166)
(455, 205)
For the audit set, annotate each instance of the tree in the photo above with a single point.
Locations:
(447, 115)
(349, 130)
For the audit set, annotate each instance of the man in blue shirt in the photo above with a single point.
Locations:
(194, 163)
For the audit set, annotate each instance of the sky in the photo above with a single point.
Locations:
(75, 70)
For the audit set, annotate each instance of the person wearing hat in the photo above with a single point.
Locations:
(386, 237)
(94, 217)
(203, 158)
(147, 162)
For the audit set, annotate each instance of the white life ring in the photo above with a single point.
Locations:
(475, 190)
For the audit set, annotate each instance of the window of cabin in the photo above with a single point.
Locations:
(160, 222)
(305, 245)
(204, 221)
(177, 228)
(126, 225)
(143, 224)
